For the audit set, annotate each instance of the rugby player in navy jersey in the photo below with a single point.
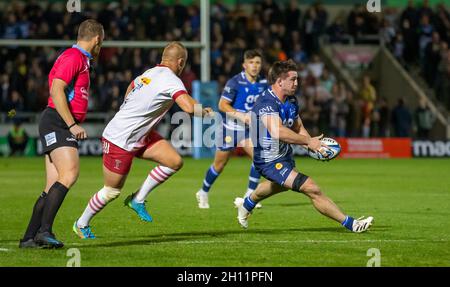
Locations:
(276, 125)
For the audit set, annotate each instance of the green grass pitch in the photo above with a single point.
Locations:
(410, 200)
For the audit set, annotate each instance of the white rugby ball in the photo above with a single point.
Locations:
(332, 148)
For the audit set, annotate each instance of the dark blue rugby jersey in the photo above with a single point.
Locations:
(268, 149)
(242, 94)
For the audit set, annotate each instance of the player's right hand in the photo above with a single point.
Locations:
(316, 145)
(78, 132)
(208, 112)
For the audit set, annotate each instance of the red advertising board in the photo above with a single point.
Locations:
(375, 147)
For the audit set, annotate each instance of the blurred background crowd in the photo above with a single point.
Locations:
(417, 35)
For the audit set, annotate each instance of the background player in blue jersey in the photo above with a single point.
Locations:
(275, 126)
(238, 98)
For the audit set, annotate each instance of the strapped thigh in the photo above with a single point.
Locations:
(299, 181)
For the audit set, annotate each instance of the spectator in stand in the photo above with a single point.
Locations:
(298, 55)
(410, 14)
(336, 31)
(398, 48)
(443, 22)
(292, 16)
(354, 116)
(426, 10)
(342, 109)
(17, 138)
(316, 66)
(5, 90)
(327, 80)
(443, 79)
(432, 59)
(401, 119)
(411, 42)
(384, 116)
(368, 95)
(312, 26)
(425, 31)
(424, 120)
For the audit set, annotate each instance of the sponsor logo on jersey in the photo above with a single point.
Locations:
(279, 166)
(267, 109)
(145, 80)
(228, 139)
(71, 139)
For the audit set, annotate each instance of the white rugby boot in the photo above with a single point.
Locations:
(243, 213)
(362, 224)
(202, 199)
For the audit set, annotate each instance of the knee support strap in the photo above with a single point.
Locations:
(299, 181)
(109, 193)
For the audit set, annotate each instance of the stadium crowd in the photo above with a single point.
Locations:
(416, 35)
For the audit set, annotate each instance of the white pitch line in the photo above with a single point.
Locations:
(4, 249)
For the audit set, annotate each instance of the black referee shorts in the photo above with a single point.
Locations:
(53, 131)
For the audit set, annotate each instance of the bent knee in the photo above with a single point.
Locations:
(311, 189)
(69, 178)
(177, 163)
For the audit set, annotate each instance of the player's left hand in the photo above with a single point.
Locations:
(208, 112)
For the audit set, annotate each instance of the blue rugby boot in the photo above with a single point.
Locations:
(139, 208)
(48, 240)
(83, 232)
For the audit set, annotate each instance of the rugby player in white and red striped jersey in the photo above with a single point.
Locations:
(131, 134)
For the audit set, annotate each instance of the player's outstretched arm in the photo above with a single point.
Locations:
(225, 107)
(187, 104)
(62, 107)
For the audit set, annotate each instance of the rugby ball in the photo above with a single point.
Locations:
(332, 148)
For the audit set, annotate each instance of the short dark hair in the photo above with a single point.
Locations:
(250, 54)
(89, 29)
(279, 69)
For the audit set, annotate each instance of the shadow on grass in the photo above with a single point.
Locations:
(209, 236)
